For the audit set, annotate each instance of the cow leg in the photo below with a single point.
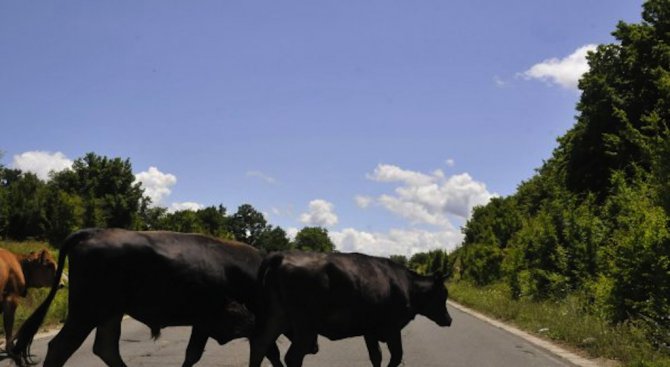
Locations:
(9, 309)
(66, 342)
(303, 343)
(273, 356)
(394, 343)
(264, 343)
(373, 351)
(196, 346)
(106, 345)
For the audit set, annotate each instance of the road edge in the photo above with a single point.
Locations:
(552, 348)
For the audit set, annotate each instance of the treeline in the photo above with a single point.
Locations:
(98, 191)
(431, 262)
(594, 220)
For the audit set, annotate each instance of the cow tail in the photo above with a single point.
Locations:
(20, 353)
(266, 280)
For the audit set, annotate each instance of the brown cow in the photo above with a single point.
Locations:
(19, 272)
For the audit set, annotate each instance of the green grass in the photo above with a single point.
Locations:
(58, 309)
(565, 321)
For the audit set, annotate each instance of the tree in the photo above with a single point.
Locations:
(185, 221)
(439, 263)
(481, 263)
(4, 207)
(544, 258)
(419, 262)
(638, 257)
(494, 223)
(313, 239)
(247, 224)
(107, 187)
(152, 218)
(274, 239)
(213, 221)
(25, 200)
(624, 106)
(63, 214)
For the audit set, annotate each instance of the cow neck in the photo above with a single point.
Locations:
(420, 288)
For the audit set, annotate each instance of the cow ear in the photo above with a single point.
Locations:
(440, 277)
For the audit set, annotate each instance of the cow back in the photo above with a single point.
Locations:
(342, 295)
(161, 278)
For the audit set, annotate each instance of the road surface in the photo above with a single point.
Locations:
(469, 342)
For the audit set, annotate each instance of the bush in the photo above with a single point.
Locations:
(638, 259)
(481, 263)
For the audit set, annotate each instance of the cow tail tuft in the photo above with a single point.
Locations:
(155, 333)
(23, 339)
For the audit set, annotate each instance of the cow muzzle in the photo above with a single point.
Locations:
(446, 321)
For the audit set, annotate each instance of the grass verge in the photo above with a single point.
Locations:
(564, 321)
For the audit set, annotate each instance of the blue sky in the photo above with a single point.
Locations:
(384, 121)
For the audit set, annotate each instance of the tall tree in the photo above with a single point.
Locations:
(185, 221)
(4, 207)
(313, 239)
(25, 200)
(274, 239)
(595, 215)
(63, 214)
(213, 221)
(247, 224)
(107, 187)
(624, 109)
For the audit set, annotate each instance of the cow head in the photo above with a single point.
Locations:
(433, 300)
(234, 321)
(39, 269)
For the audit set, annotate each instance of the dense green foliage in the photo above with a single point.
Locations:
(103, 192)
(594, 220)
(431, 262)
(314, 239)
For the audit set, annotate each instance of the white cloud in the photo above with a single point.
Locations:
(186, 205)
(262, 176)
(500, 83)
(390, 173)
(41, 163)
(450, 162)
(564, 72)
(363, 201)
(396, 242)
(320, 214)
(433, 199)
(157, 185)
(430, 198)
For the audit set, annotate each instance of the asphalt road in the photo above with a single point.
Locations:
(469, 342)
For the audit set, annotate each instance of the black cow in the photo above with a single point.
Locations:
(159, 278)
(340, 296)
